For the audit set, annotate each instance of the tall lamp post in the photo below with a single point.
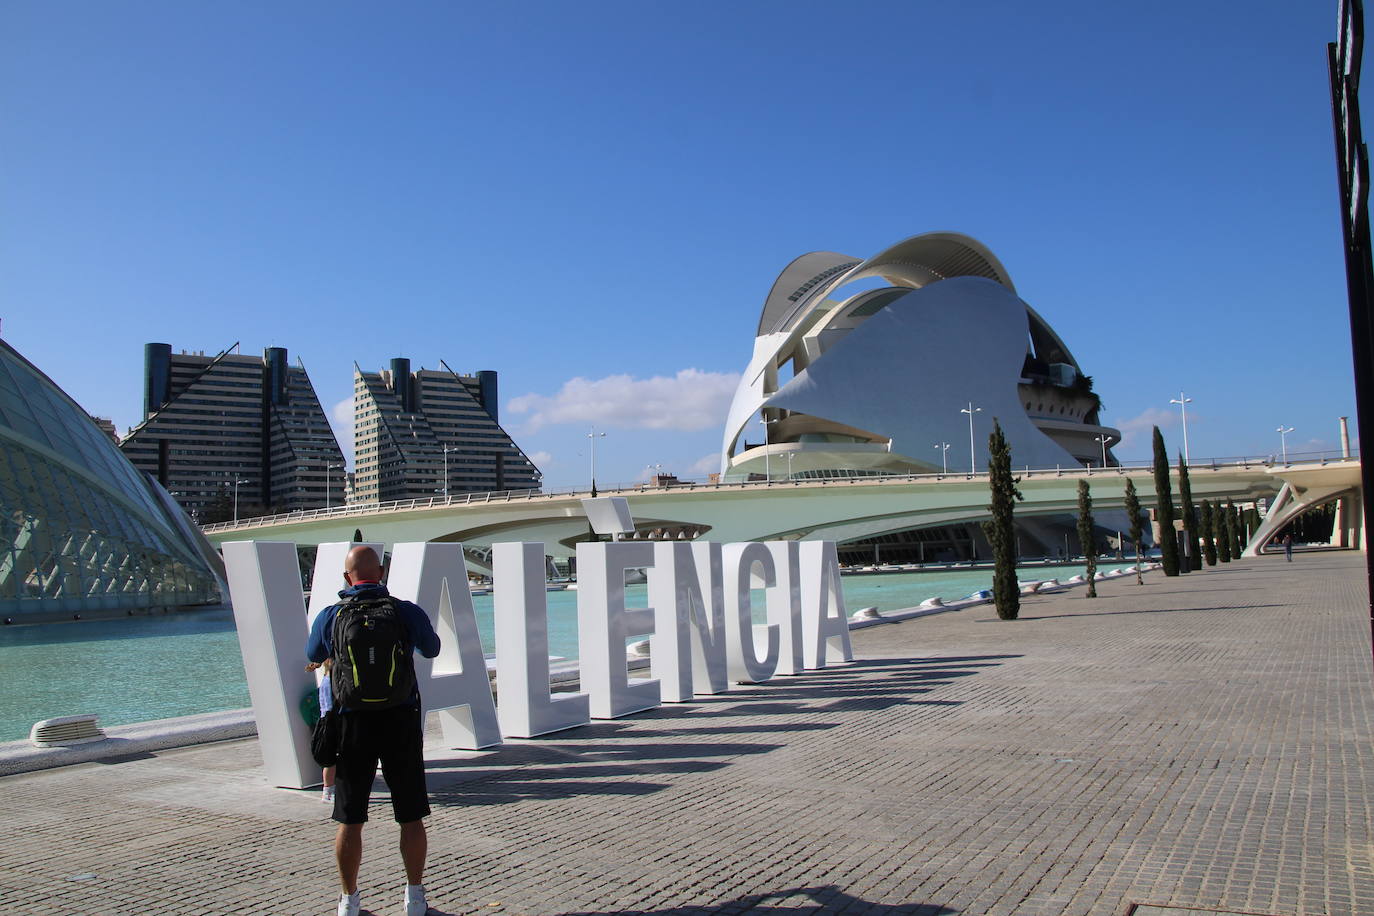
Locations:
(944, 456)
(1183, 403)
(1102, 440)
(1283, 432)
(767, 468)
(236, 497)
(593, 435)
(446, 451)
(328, 481)
(971, 410)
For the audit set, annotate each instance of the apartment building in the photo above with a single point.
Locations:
(431, 432)
(231, 434)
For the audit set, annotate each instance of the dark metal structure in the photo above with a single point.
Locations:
(1352, 168)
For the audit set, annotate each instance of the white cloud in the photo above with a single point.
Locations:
(540, 459)
(343, 413)
(689, 401)
(706, 464)
(1137, 428)
(341, 419)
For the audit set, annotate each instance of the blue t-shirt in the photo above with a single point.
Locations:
(321, 643)
(326, 695)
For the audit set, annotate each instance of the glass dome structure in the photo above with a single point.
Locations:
(81, 530)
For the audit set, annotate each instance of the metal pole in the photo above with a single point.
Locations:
(1283, 442)
(1183, 403)
(971, 410)
(1352, 163)
(593, 435)
(767, 470)
(446, 472)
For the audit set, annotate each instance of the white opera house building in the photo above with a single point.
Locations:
(869, 366)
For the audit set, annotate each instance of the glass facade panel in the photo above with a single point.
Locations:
(81, 530)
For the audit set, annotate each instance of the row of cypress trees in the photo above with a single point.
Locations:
(1215, 533)
(1212, 533)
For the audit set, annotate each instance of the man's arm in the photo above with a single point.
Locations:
(421, 630)
(317, 646)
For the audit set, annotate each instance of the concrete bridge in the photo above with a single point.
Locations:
(839, 510)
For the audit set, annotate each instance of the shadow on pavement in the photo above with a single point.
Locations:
(624, 756)
(1162, 610)
(823, 899)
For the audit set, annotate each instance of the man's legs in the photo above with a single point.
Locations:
(414, 848)
(348, 852)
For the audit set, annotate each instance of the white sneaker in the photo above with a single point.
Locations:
(327, 796)
(348, 905)
(415, 906)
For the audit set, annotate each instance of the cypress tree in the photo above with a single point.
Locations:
(1133, 513)
(1190, 533)
(1219, 533)
(1233, 529)
(1000, 531)
(1209, 545)
(1085, 535)
(1168, 542)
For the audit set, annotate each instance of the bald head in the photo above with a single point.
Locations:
(362, 565)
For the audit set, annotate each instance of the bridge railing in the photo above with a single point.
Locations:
(640, 488)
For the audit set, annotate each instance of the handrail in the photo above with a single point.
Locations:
(641, 489)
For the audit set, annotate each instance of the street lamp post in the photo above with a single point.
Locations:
(971, 410)
(767, 467)
(944, 456)
(1102, 440)
(328, 480)
(446, 451)
(593, 435)
(1283, 432)
(236, 497)
(1183, 403)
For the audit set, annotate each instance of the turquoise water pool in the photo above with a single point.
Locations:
(140, 668)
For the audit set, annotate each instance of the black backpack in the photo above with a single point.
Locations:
(373, 664)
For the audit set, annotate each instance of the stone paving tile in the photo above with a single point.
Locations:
(1196, 743)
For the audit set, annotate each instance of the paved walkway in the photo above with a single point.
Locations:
(1202, 742)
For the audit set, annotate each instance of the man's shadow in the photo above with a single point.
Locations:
(820, 899)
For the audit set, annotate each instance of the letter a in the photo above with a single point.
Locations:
(826, 633)
(455, 683)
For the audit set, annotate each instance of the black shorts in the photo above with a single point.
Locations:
(394, 738)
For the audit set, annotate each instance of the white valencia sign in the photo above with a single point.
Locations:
(700, 625)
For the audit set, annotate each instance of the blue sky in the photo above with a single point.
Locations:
(594, 199)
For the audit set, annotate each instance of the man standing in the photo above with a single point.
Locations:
(372, 637)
